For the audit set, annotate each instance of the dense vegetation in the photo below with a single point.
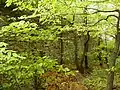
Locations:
(59, 44)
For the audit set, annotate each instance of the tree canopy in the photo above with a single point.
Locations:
(43, 40)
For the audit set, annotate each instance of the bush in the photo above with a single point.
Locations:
(97, 80)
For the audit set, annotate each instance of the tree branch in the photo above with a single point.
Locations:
(97, 10)
(105, 19)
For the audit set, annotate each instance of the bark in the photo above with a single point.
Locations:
(99, 54)
(110, 78)
(36, 81)
(114, 55)
(61, 49)
(87, 38)
(106, 58)
(76, 49)
(76, 53)
(81, 65)
(86, 46)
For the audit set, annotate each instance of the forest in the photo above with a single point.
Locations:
(59, 44)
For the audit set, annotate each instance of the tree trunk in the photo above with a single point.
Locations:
(86, 44)
(61, 49)
(110, 78)
(106, 57)
(114, 55)
(99, 54)
(35, 80)
(76, 52)
(80, 67)
(87, 38)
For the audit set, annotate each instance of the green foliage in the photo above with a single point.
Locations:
(19, 30)
(45, 20)
(18, 71)
(65, 71)
(10, 67)
(97, 80)
(25, 31)
(15, 72)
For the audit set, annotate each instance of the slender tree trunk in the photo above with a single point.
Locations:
(81, 66)
(114, 55)
(76, 52)
(100, 59)
(110, 78)
(99, 54)
(35, 77)
(106, 58)
(86, 44)
(35, 80)
(76, 49)
(61, 49)
(87, 38)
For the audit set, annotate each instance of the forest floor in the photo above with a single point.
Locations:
(60, 81)
(63, 82)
